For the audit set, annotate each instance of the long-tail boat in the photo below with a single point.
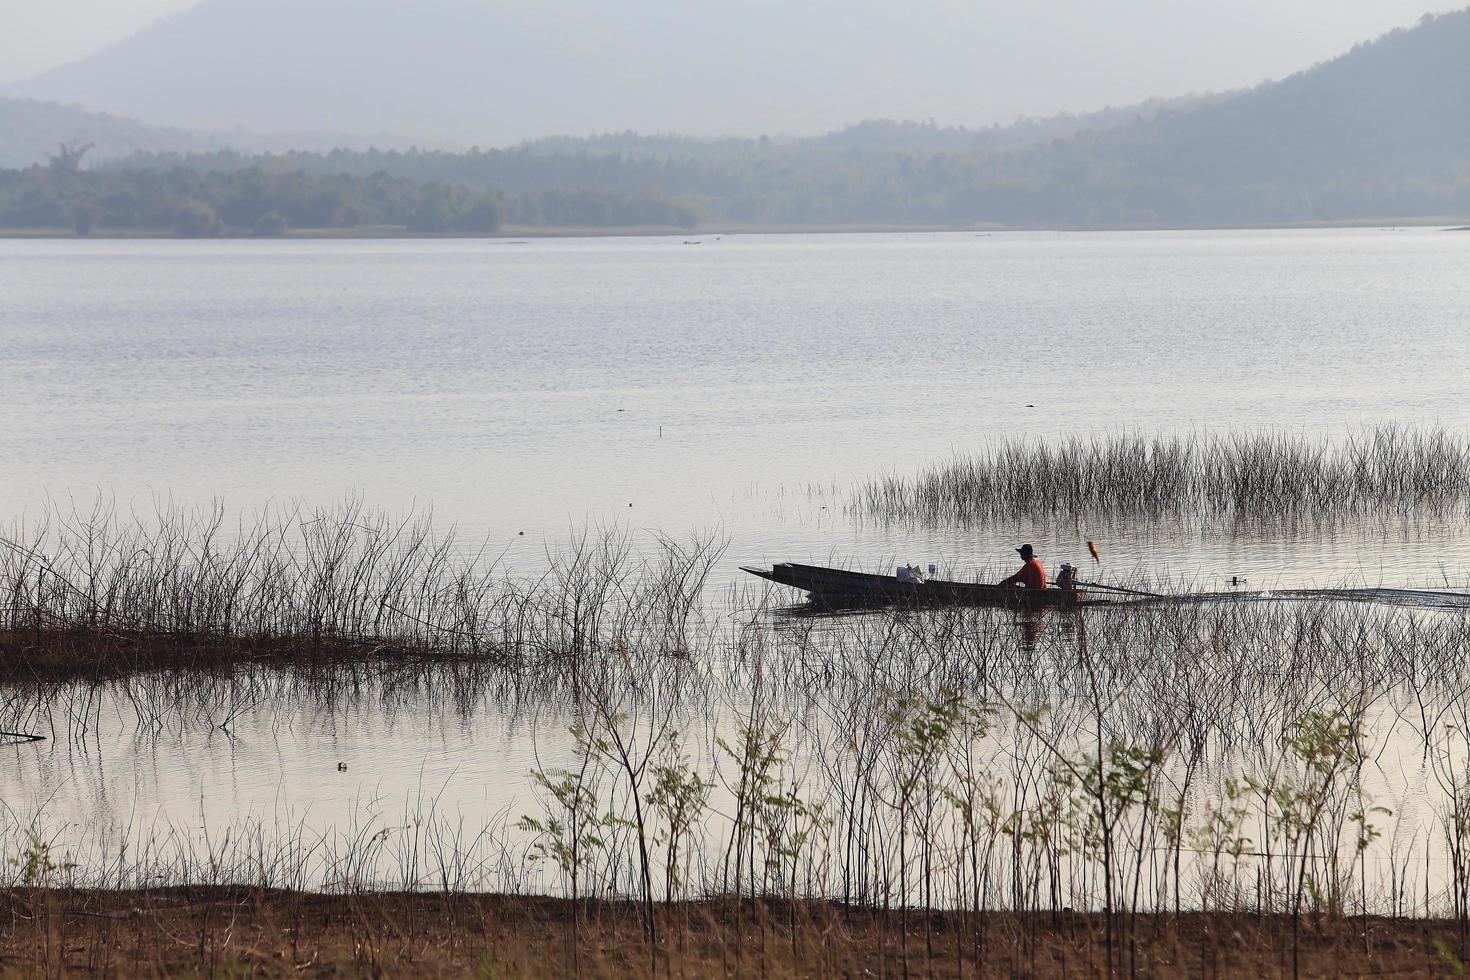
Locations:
(841, 588)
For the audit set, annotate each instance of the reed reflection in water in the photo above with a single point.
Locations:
(1268, 754)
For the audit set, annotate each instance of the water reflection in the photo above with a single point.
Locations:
(1215, 689)
(1031, 623)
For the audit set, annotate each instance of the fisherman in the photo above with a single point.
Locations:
(1032, 574)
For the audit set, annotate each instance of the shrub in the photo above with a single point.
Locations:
(195, 219)
(272, 224)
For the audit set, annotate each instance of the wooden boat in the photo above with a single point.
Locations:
(839, 587)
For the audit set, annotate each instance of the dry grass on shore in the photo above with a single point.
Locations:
(247, 932)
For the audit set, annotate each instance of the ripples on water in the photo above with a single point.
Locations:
(531, 388)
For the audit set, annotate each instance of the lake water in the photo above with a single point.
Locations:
(742, 384)
(527, 387)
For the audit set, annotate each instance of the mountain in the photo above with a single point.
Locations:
(491, 71)
(31, 129)
(1383, 129)
(496, 72)
(1399, 105)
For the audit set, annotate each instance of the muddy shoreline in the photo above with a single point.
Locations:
(196, 931)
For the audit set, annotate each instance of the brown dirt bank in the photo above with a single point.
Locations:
(246, 932)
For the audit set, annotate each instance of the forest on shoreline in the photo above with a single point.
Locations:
(64, 197)
(483, 192)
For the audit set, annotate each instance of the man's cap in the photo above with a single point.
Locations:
(1026, 551)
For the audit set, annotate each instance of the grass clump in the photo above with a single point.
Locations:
(1262, 474)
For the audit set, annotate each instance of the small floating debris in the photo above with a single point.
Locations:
(341, 767)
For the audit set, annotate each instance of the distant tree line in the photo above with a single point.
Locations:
(253, 200)
(1092, 180)
(1154, 171)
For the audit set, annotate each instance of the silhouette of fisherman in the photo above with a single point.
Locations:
(1032, 574)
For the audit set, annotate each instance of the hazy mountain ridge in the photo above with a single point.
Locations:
(496, 72)
(902, 135)
(1383, 129)
(1380, 131)
(31, 129)
(1399, 104)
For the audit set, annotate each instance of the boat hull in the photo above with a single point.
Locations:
(840, 588)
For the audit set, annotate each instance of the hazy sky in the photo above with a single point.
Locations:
(1041, 56)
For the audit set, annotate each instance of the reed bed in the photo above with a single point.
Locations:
(98, 590)
(1264, 475)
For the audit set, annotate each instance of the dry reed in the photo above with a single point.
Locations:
(1266, 474)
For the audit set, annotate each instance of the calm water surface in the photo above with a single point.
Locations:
(744, 384)
(533, 386)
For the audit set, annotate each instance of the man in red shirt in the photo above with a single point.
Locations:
(1032, 574)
